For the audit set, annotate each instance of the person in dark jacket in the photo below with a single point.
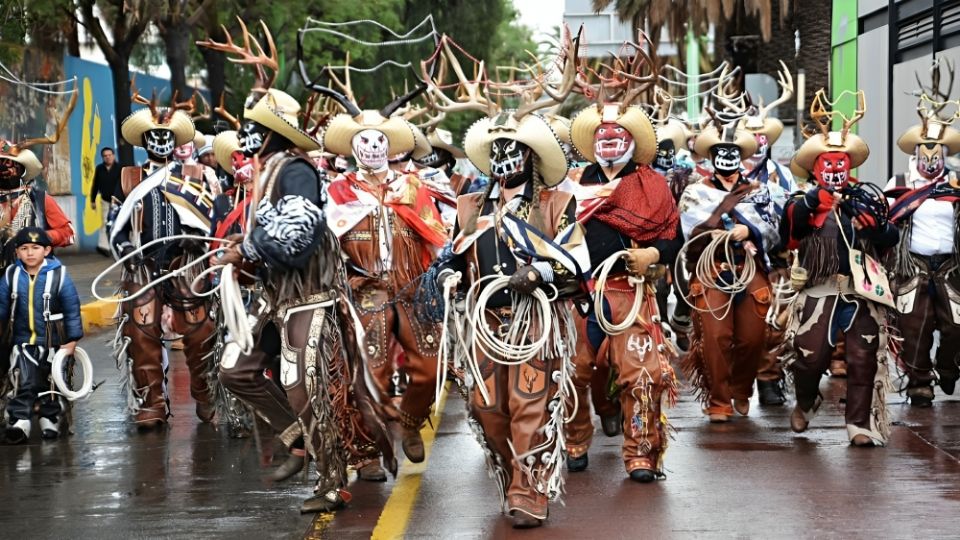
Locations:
(42, 307)
(106, 186)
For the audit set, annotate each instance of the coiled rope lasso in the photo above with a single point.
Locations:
(706, 272)
(57, 371)
(231, 298)
(601, 273)
(511, 349)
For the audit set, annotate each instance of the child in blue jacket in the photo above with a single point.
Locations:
(41, 309)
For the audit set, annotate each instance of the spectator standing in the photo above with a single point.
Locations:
(106, 186)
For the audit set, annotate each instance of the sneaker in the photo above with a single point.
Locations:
(18, 432)
(49, 429)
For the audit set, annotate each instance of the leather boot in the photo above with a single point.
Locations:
(644, 476)
(523, 520)
(149, 381)
(920, 396)
(948, 385)
(742, 406)
(612, 425)
(372, 472)
(771, 393)
(412, 444)
(290, 467)
(800, 419)
(206, 412)
(329, 501)
(577, 464)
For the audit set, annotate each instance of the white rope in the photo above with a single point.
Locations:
(231, 303)
(707, 275)
(449, 285)
(511, 349)
(402, 39)
(138, 251)
(38, 85)
(59, 361)
(608, 327)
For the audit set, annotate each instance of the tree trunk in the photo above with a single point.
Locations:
(176, 38)
(73, 39)
(121, 95)
(216, 73)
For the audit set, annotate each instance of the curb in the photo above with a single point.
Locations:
(98, 313)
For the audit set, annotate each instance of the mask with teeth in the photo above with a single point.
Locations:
(511, 162)
(666, 156)
(159, 144)
(437, 159)
(832, 170)
(370, 149)
(242, 168)
(762, 145)
(726, 158)
(613, 144)
(10, 173)
(184, 152)
(930, 163)
(251, 138)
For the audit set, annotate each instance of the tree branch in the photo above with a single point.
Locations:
(192, 20)
(92, 25)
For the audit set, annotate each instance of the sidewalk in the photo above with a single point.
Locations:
(84, 267)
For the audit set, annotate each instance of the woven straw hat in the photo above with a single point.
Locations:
(338, 137)
(224, 145)
(278, 112)
(834, 142)
(32, 166)
(585, 123)
(710, 136)
(143, 120)
(531, 130)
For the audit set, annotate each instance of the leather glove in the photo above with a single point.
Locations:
(638, 260)
(819, 200)
(525, 280)
(133, 263)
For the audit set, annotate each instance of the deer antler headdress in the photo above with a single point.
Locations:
(175, 117)
(823, 111)
(937, 114)
(758, 119)
(20, 152)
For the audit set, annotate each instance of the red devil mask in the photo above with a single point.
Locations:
(242, 168)
(612, 144)
(832, 169)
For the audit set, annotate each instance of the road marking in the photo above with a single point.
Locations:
(396, 513)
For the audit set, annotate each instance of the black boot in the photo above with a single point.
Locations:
(771, 393)
(577, 464)
(644, 476)
(611, 425)
(920, 396)
(948, 385)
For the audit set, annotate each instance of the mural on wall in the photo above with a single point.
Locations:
(93, 126)
(25, 113)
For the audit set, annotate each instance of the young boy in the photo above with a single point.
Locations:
(42, 308)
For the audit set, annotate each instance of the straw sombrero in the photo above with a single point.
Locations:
(560, 126)
(834, 141)
(224, 145)
(710, 136)
(930, 132)
(338, 137)
(144, 120)
(675, 131)
(531, 130)
(443, 140)
(584, 128)
(278, 112)
(31, 165)
(771, 127)
(421, 145)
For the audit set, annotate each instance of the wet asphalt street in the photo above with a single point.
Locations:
(751, 478)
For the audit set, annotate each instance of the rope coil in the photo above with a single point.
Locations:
(705, 271)
(603, 270)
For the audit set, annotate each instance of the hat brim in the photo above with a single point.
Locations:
(673, 130)
(224, 145)
(584, 128)
(142, 121)
(950, 138)
(710, 137)
(338, 137)
(771, 127)
(533, 131)
(31, 165)
(436, 139)
(421, 145)
(263, 114)
(853, 146)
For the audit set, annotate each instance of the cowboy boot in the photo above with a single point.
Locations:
(149, 381)
(197, 328)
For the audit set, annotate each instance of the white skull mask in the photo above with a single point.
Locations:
(159, 142)
(726, 158)
(370, 149)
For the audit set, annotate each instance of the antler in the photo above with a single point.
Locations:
(205, 109)
(636, 84)
(135, 97)
(187, 106)
(61, 124)
(222, 111)
(260, 61)
(823, 116)
(469, 93)
(785, 80)
(344, 99)
(935, 79)
(555, 95)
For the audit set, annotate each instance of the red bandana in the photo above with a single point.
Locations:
(641, 207)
